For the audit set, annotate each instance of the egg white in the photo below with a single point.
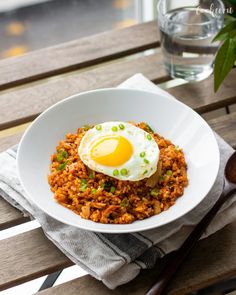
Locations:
(136, 166)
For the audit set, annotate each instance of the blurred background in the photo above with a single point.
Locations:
(27, 25)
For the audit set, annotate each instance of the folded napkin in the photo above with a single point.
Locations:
(117, 258)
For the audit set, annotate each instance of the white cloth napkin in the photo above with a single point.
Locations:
(118, 258)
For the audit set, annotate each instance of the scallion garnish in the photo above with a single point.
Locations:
(91, 175)
(161, 178)
(83, 185)
(115, 172)
(86, 127)
(142, 154)
(114, 129)
(123, 171)
(122, 126)
(149, 137)
(124, 202)
(59, 158)
(169, 172)
(112, 189)
(63, 166)
(154, 192)
(94, 191)
(99, 127)
(149, 128)
(62, 155)
(146, 161)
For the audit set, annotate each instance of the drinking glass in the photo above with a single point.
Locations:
(187, 29)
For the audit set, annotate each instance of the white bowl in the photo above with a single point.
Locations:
(168, 117)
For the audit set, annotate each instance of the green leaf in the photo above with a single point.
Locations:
(224, 62)
(229, 31)
(228, 19)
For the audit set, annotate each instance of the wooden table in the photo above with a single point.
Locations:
(31, 83)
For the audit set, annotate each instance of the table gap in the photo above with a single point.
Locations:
(214, 114)
(19, 229)
(82, 70)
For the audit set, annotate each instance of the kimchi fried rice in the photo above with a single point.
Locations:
(105, 199)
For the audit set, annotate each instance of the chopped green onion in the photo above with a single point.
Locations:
(142, 154)
(145, 172)
(114, 128)
(169, 172)
(91, 175)
(124, 202)
(59, 157)
(102, 185)
(123, 172)
(146, 161)
(83, 185)
(99, 127)
(154, 192)
(107, 185)
(149, 137)
(84, 181)
(94, 191)
(63, 166)
(161, 177)
(122, 126)
(86, 127)
(83, 188)
(149, 128)
(64, 154)
(115, 172)
(113, 189)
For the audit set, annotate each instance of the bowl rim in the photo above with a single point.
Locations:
(118, 226)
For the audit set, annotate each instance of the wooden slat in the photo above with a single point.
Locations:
(31, 256)
(201, 97)
(199, 271)
(9, 215)
(212, 261)
(25, 104)
(6, 142)
(49, 259)
(77, 54)
(226, 127)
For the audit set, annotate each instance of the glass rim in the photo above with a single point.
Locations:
(191, 24)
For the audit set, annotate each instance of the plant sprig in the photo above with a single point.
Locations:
(226, 55)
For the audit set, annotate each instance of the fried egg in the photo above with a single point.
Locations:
(120, 150)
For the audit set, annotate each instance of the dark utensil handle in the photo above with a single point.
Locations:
(179, 256)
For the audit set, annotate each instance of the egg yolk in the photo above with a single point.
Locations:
(111, 150)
